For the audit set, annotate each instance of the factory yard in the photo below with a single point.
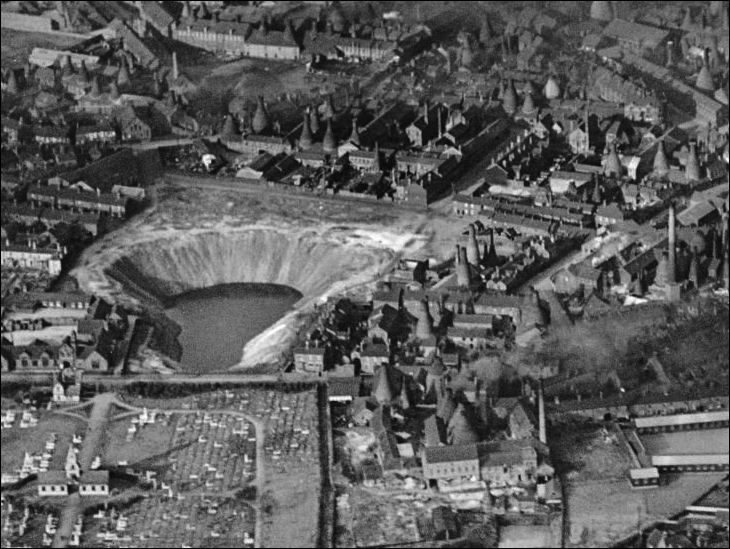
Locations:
(703, 441)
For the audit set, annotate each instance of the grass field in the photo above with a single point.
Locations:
(602, 507)
(583, 453)
(17, 441)
(525, 536)
(148, 442)
(603, 512)
(294, 498)
(17, 45)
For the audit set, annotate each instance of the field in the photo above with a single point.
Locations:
(589, 466)
(149, 441)
(524, 536)
(17, 45)
(704, 441)
(585, 454)
(594, 521)
(16, 441)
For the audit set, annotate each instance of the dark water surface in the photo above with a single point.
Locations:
(217, 321)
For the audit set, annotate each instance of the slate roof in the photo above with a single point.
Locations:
(445, 454)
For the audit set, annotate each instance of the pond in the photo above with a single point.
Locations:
(218, 321)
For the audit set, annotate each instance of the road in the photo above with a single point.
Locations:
(240, 377)
(89, 449)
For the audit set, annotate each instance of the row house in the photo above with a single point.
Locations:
(639, 104)
(51, 218)
(366, 49)
(635, 37)
(102, 203)
(503, 463)
(46, 357)
(97, 133)
(311, 359)
(31, 257)
(253, 145)
(51, 135)
(50, 300)
(366, 161)
(237, 38)
(419, 165)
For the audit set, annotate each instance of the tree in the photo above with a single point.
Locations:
(484, 535)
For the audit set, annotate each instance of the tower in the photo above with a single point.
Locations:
(509, 100)
(12, 82)
(383, 391)
(175, 72)
(261, 118)
(672, 244)
(424, 324)
(305, 139)
(95, 88)
(673, 288)
(552, 89)
(613, 163)
(462, 268)
(541, 413)
(704, 78)
(692, 169)
(528, 106)
(472, 250)
(661, 164)
(229, 127)
(123, 75)
(354, 135)
(314, 121)
(694, 269)
(491, 259)
(329, 143)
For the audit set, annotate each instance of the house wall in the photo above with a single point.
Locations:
(451, 469)
(52, 490)
(94, 489)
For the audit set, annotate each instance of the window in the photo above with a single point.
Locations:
(95, 365)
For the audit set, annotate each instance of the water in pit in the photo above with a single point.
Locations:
(219, 320)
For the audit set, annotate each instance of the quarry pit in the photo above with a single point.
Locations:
(167, 251)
